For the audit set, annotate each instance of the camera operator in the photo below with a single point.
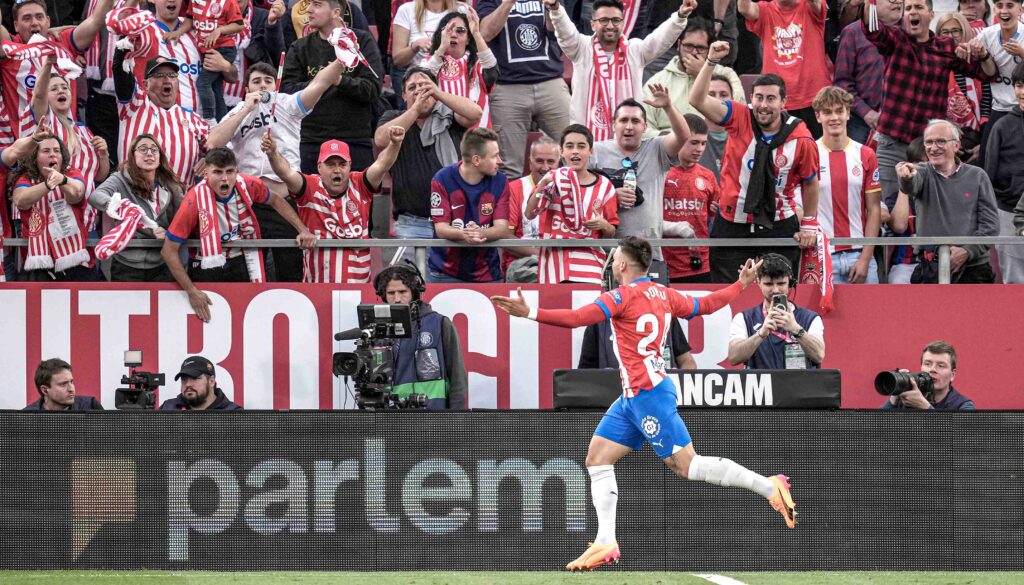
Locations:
(430, 361)
(938, 360)
(199, 389)
(56, 387)
(777, 334)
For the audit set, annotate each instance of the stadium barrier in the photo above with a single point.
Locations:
(421, 246)
(272, 344)
(500, 491)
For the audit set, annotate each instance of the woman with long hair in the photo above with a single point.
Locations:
(146, 179)
(970, 100)
(413, 28)
(51, 198)
(462, 62)
(54, 108)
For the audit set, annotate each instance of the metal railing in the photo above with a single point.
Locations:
(422, 245)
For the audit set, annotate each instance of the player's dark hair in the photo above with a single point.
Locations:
(637, 249)
(938, 347)
(775, 266)
(47, 369)
(627, 103)
(221, 157)
(770, 79)
(264, 68)
(609, 4)
(696, 123)
(578, 129)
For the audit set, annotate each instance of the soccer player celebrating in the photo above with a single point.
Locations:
(335, 204)
(574, 203)
(641, 312)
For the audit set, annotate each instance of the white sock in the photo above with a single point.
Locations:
(728, 473)
(605, 493)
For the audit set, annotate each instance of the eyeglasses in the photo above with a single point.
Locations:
(147, 150)
(691, 48)
(460, 30)
(165, 75)
(607, 21)
(938, 142)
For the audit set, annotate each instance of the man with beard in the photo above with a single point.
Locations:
(768, 158)
(218, 210)
(199, 389)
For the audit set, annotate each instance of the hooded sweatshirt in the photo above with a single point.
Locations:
(1005, 150)
(679, 82)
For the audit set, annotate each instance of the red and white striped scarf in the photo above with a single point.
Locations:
(55, 238)
(210, 249)
(610, 83)
(454, 78)
(576, 207)
(130, 215)
(630, 12)
(130, 24)
(964, 108)
(816, 268)
(39, 46)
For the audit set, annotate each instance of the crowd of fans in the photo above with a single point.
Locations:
(809, 119)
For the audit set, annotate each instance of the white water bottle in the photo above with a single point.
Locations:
(629, 181)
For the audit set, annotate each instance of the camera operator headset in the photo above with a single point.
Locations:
(777, 333)
(430, 361)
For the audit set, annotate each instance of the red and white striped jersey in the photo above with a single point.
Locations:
(575, 264)
(182, 133)
(85, 159)
(235, 92)
(185, 50)
(846, 177)
(795, 161)
(345, 217)
(641, 314)
(452, 78)
(18, 79)
(6, 131)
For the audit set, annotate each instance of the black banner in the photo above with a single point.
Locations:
(500, 491)
(709, 388)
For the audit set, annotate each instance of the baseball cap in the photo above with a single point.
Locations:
(158, 61)
(333, 148)
(195, 366)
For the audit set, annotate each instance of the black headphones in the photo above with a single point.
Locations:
(780, 260)
(407, 273)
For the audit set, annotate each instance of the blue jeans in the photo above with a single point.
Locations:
(210, 86)
(842, 263)
(413, 228)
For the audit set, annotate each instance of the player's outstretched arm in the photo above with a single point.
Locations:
(721, 298)
(518, 307)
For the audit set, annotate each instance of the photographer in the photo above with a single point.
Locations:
(777, 334)
(199, 389)
(56, 386)
(430, 361)
(938, 360)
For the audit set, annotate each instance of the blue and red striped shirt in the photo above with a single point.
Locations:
(455, 202)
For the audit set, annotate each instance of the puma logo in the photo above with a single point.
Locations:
(673, 181)
(658, 443)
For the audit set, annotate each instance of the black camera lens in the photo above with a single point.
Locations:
(891, 383)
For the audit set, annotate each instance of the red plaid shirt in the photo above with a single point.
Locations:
(916, 87)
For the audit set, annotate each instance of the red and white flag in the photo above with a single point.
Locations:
(346, 48)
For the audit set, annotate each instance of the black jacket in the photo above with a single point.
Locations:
(81, 403)
(1005, 150)
(267, 42)
(346, 111)
(220, 403)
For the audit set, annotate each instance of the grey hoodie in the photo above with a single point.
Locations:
(141, 258)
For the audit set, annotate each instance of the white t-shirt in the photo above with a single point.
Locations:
(286, 126)
(1003, 99)
(405, 17)
(738, 329)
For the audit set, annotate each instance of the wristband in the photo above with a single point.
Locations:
(718, 21)
(809, 223)
(64, 181)
(533, 314)
(713, 62)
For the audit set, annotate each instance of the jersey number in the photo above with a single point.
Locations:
(644, 323)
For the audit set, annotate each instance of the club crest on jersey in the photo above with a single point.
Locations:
(487, 209)
(350, 206)
(651, 426)
(856, 171)
(700, 184)
(205, 225)
(449, 70)
(781, 160)
(426, 339)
